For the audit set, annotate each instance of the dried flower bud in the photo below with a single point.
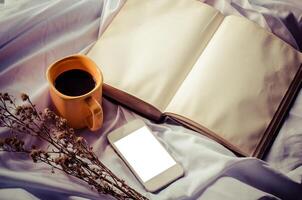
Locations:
(35, 113)
(46, 155)
(24, 97)
(49, 114)
(79, 140)
(6, 97)
(60, 136)
(57, 160)
(8, 141)
(18, 110)
(70, 131)
(64, 121)
(34, 154)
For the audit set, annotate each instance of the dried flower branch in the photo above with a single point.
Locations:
(66, 151)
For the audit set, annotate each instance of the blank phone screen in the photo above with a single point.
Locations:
(144, 153)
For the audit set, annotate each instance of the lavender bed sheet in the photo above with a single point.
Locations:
(34, 33)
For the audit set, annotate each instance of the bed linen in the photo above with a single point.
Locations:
(35, 33)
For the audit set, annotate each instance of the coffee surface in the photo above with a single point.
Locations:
(74, 82)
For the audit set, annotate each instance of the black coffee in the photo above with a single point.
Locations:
(74, 82)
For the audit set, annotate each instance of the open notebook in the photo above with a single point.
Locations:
(223, 76)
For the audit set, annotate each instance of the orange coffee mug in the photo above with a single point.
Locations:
(85, 109)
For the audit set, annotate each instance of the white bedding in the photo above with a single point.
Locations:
(35, 33)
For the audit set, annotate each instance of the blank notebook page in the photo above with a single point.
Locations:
(238, 82)
(150, 46)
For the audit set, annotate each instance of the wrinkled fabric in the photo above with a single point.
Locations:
(35, 33)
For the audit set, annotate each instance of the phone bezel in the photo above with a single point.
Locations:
(158, 181)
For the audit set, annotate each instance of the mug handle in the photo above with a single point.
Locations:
(95, 120)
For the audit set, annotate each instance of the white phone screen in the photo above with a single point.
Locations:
(144, 153)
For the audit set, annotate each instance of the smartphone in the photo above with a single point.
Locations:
(146, 157)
